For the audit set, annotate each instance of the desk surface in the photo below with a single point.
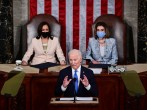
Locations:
(70, 105)
(38, 89)
(27, 69)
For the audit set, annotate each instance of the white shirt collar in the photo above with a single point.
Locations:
(78, 72)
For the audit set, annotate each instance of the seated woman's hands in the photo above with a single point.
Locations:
(24, 63)
(95, 62)
(63, 63)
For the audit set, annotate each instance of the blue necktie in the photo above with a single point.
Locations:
(76, 81)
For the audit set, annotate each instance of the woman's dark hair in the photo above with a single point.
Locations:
(39, 30)
(105, 27)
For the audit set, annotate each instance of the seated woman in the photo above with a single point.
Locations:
(44, 46)
(101, 48)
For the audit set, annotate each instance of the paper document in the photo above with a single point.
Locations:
(66, 99)
(84, 98)
(76, 98)
(96, 70)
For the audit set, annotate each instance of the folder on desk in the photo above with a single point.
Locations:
(12, 85)
(133, 83)
(103, 66)
(45, 65)
(97, 68)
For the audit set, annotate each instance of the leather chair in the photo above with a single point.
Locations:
(118, 30)
(35, 21)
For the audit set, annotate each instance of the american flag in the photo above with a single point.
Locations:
(76, 18)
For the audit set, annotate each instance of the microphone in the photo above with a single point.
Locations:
(74, 80)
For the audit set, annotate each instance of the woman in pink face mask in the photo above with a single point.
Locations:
(101, 47)
(44, 46)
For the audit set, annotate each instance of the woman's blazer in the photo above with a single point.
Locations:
(110, 51)
(41, 56)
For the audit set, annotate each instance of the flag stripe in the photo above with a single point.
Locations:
(55, 8)
(97, 9)
(119, 8)
(40, 6)
(104, 6)
(82, 30)
(69, 25)
(76, 24)
(62, 20)
(33, 8)
(48, 5)
(111, 6)
(89, 21)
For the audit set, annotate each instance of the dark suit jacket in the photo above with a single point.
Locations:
(82, 91)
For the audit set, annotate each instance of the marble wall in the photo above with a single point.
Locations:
(6, 31)
(142, 31)
(131, 18)
(21, 13)
(20, 18)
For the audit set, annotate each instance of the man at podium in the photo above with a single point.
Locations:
(76, 80)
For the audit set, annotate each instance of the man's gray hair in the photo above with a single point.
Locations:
(75, 51)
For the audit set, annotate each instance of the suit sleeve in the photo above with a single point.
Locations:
(59, 52)
(88, 52)
(94, 89)
(29, 52)
(58, 91)
(114, 58)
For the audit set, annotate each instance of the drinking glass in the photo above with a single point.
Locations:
(18, 65)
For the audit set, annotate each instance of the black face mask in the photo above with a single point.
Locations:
(46, 34)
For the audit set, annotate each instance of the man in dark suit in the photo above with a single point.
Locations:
(76, 79)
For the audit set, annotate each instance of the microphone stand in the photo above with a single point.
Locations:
(74, 80)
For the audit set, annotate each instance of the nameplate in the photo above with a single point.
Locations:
(96, 70)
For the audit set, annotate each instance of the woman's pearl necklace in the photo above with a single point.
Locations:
(101, 41)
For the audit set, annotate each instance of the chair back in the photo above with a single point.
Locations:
(118, 31)
(32, 26)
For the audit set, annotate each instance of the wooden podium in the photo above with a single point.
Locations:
(71, 105)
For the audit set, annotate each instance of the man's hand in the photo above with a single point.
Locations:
(66, 81)
(63, 63)
(85, 81)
